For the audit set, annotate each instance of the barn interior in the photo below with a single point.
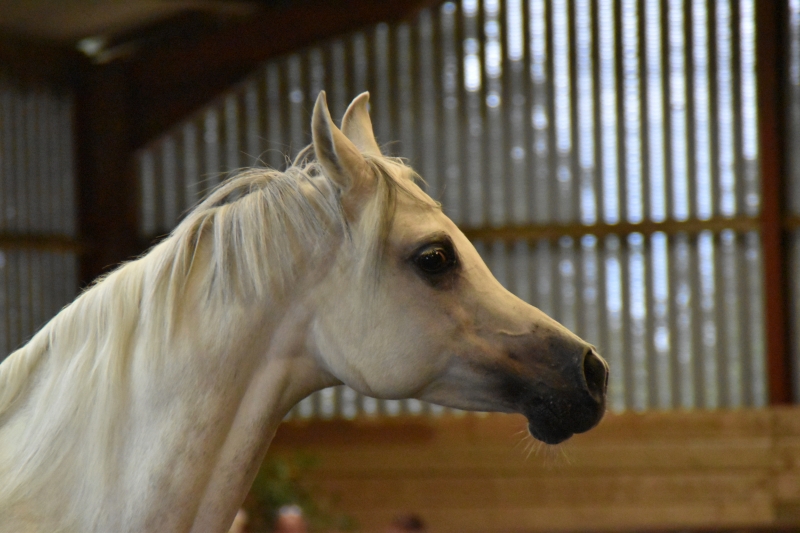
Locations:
(624, 165)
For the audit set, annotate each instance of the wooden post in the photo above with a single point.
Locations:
(771, 46)
(107, 186)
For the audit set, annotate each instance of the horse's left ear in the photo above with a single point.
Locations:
(342, 160)
(357, 125)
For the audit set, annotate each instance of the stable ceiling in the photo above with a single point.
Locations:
(69, 21)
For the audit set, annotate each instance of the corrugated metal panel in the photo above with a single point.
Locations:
(37, 197)
(548, 112)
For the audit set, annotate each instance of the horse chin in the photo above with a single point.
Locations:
(555, 424)
(548, 431)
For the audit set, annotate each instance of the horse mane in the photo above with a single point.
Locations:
(258, 225)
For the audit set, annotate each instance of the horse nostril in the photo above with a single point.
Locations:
(595, 371)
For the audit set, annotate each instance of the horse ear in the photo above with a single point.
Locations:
(357, 125)
(341, 159)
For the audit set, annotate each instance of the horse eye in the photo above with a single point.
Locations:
(435, 259)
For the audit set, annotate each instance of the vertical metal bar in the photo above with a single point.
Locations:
(296, 104)
(316, 73)
(521, 271)
(732, 369)
(685, 375)
(679, 157)
(382, 88)
(232, 141)
(211, 150)
(584, 85)
(749, 105)
(191, 165)
(607, 64)
(13, 298)
(473, 83)
(758, 366)
(147, 185)
(707, 324)
(360, 63)
(28, 176)
(562, 116)
(67, 172)
(726, 149)
(44, 162)
(170, 209)
(428, 132)
(566, 280)
(276, 142)
(704, 199)
(338, 79)
(540, 110)
(615, 343)
(453, 194)
(35, 291)
(632, 111)
(24, 288)
(517, 118)
(496, 179)
(404, 111)
(498, 263)
(637, 323)
(590, 290)
(656, 125)
(662, 363)
(252, 119)
(21, 200)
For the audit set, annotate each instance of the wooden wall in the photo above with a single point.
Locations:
(634, 472)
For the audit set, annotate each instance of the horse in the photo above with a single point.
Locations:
(148, 403)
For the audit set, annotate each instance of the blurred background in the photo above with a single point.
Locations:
(631, 167)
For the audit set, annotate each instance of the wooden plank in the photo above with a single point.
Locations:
(677, 469)
(511, 430)
(547, 490)
(409, 460)
(579, 518)
(771, 53)
(45, 243)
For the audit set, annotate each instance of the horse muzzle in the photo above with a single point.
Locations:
(556, 414)
(561, 392)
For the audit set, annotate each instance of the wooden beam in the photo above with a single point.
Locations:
(553, 232)
(771, 47)
(47, 243)
(172, 80)
(53, 64)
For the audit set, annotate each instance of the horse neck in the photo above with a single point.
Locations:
(172, 434)
(254, 366)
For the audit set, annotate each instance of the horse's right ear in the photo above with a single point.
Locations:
(342, 161)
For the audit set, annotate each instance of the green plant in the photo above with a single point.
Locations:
(284, 481)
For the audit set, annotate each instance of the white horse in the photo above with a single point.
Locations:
(148, 404)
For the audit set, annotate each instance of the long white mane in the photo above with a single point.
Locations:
(245, 240)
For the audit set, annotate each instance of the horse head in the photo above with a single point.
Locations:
(422, 316)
